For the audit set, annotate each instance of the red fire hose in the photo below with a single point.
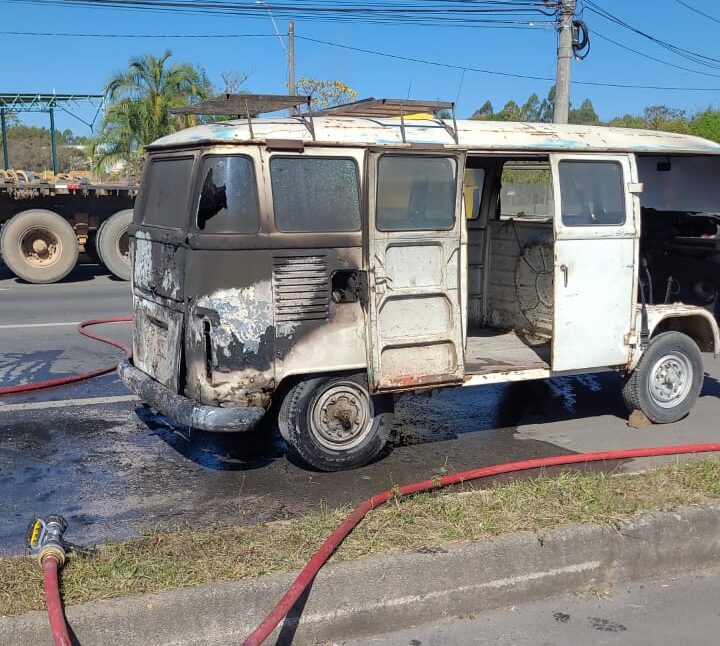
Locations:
(263, 631)
(51, 585)
(71, 379)
(58, 623)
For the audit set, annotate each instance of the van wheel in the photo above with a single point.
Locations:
(333, 423)
(113, 243)
(667, 380)
(39, 246)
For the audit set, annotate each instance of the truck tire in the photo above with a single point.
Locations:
(333, 423)
(667, 380)
(39, 246)
(113, 243)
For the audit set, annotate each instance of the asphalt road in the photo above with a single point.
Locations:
(678, 610)
(93, 453)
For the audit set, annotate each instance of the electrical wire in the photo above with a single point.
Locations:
(425, 12)
(595, 32)
(401, 57)
(702, 13)
(696, 57)
(424, 61)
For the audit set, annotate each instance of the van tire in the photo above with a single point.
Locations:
(322, 441)
(667, 380)
(112, 243)
(39, 246)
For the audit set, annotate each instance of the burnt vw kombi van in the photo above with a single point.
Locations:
(327, 262)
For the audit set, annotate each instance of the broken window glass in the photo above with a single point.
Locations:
(228, 200)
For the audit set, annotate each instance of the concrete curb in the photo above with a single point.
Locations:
(356, 598)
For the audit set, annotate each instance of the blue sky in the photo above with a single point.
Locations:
(46, 64)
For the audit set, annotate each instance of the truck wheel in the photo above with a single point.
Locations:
(333, 423)
(113, 243)
(39, 246)
(667, 380)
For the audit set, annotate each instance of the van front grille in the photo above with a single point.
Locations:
(301, 288)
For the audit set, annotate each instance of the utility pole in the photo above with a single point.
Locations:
(291, 61)
(564, 56)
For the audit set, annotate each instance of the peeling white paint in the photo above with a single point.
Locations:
(245, 314)
(142, 258)
(478, 135)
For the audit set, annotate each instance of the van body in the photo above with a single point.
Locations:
(326, 269)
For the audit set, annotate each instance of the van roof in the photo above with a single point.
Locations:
(472, 135)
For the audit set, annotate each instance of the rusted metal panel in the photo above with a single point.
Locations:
(157, 337)
(415, 323)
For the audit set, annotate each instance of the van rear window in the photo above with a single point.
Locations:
(228, 200)
(416, 193)
(315, 194)
(167, 187)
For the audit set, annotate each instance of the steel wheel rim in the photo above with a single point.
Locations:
(670, 380)
(342, 416)
(124, 246)
(40, 247)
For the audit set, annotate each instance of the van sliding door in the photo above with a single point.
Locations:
(414, 227)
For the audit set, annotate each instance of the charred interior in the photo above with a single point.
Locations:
(679, 243)
(509, 209)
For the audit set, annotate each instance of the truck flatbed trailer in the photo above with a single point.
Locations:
(46, 221)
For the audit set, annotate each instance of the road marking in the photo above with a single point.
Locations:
(65, 403)
(28, 325)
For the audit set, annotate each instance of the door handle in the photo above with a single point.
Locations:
(564, 270)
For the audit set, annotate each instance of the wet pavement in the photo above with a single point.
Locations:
(95, 455)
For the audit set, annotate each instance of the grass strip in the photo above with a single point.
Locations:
(164, 560)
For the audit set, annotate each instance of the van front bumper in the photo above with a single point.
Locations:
(185, 411)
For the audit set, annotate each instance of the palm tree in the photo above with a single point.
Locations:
(138, 103)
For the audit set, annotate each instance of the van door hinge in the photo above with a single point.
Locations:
(635, 187)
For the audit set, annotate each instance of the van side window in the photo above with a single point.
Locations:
(591, 193)
(526, 191)
(228, 196)
(416, 193)
(315, 194)
(167, 188)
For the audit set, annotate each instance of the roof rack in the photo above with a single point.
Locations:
(245, 105)
(388, 108)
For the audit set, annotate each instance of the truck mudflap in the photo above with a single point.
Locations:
(185, 411)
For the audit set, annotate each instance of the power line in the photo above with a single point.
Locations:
(649, 57)
(389, 55)
(498, 73)
(700, 59)
(425, 12)
(702, 13)
(61, 34)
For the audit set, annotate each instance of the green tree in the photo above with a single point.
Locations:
(584, 115)
(139, 99)
(547, 109)
(706, 124)
(531, 109)
(324, 94)
(484, 112)
(510, 112)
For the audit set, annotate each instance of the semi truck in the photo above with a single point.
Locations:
(47, 220)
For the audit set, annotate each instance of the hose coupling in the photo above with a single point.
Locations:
(45, 538)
